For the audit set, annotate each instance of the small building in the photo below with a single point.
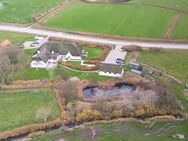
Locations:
(134, 65)
(136, 72)
(111, 70)
(52, 52)
(147, 70)
(5, 43)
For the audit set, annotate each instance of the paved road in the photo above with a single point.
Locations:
(29, 30)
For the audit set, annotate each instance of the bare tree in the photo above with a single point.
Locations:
(104, 107)
(12, 60)
(43, 114)
(5, 68)
(67, 91)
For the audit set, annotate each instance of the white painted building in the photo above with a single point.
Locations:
(51, 53)
(111, 70)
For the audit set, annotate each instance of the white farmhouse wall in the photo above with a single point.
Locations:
(70, 57)
(38, 64)
(111, 74)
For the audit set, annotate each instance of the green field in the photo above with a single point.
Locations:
(130, 131)
(114, 19)
(21, 11)
(16, 39)
(175, 4)
(18, 107)
(180, 28)
(173, 63)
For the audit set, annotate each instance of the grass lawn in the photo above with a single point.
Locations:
(18, 107)
(130, 131)
(174, 63)
(30, 52)
(21, 11)
(181, 30)
(114, 19)
(34, 74)
(15, 38)
(92, 52)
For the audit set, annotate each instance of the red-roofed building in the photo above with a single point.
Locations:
(5, 43)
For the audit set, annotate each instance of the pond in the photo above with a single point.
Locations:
(118, 90)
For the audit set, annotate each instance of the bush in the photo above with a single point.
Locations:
(88, 114)
(117, 113)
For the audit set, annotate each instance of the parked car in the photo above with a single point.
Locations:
(120, 62)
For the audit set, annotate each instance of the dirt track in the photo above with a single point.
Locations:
(172, 26)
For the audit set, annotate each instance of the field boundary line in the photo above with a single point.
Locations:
(163, 72)
(53, 12)
(167, 8)
(172, 25)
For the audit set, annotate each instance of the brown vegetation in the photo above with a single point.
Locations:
(29, 128)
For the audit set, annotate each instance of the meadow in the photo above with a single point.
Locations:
(128, 20)
(18, 107)
(173, 63)
(21, 11)
(181, 30)
(129, 131)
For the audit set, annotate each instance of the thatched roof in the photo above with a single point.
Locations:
(63, 48)
(112, 68)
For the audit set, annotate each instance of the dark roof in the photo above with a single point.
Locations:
(112, 68)
(63, 48)
(53, 49)
(44, 55)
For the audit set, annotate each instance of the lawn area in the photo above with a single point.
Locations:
(33, 74)
(21, 11)
(92, 52)
(29, 53)
(129, 131)
(181, 30)
(114, 19)
(18, 107)
(174, 63)
(15, 38)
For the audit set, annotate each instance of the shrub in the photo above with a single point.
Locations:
(117, 113)
(88, 114)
